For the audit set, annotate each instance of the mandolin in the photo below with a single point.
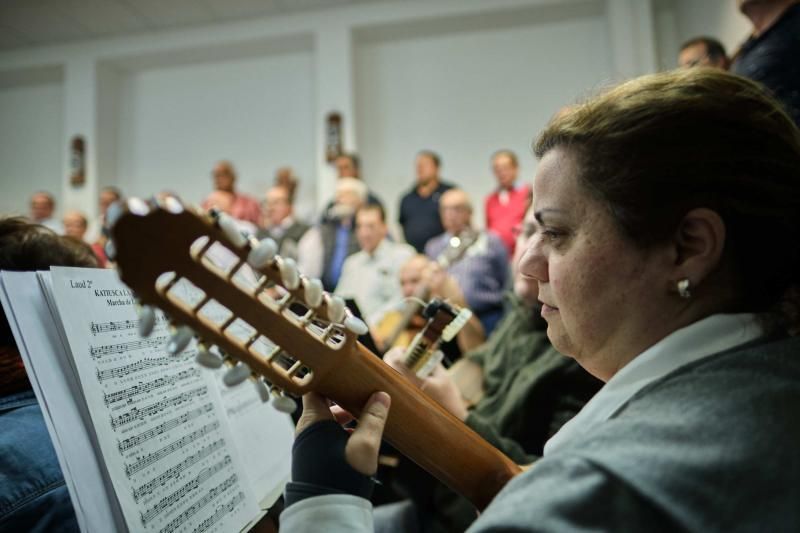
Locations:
(275, 326)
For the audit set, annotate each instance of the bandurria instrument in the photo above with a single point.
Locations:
(279, 327)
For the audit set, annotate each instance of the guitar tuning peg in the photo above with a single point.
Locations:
(147, 320)
(336, 308)
(236, 375)
(290, 277)
(282, 402)
(179, 340)
(356, 325)
(312, 289)
(262, 253)
(172, 204)
(137, 206)
(231, 230)
(262, 389)
(207, 358)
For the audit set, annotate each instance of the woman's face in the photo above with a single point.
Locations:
(603, 298)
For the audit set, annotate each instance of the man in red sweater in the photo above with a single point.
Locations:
(505, 207)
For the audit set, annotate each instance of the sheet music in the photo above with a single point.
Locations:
(264, 438)
(159, 421)
(61, 399)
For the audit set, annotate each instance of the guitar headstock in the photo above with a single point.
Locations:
(247, 306)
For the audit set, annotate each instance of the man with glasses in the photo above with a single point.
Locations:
(703, 52)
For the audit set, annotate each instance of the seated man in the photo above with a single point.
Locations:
(477, 260)
(370, 276)
(33, 496)
(280, 223)
(422, 278)
(242, 206)
(526, 392)
(322, 250)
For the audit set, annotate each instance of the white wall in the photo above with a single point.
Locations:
(466, 94)
(463, 77)
(31, 136)
(175, 122)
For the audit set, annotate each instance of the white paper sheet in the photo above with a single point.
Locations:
(162, 431)
(61, 399)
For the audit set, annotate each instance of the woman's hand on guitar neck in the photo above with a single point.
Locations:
(438, 385)
(361, 451)
(327, 459)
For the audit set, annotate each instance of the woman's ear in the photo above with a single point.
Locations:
(699, 243)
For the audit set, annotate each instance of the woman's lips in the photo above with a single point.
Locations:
(547, 309)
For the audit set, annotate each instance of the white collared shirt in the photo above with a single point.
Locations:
(709, 336)
(373, 280)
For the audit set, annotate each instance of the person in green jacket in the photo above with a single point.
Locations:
(526, 391)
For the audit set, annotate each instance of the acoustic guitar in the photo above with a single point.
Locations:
(161, 245)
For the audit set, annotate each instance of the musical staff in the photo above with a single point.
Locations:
(149, 410)
(132, 368)
(158, 420)
(202, 502)
(99, 351)
(175, 471)
(221, 511)
(144, 436)
(97, 328)
(185, 490)
(150, 458)
(150, 386)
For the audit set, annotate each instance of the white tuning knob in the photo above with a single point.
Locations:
(312, 288)
(231, 230)
(180, 340)
(236, 375)
(207, 358)
(137, 206)
(262, 253)
(283, 403)
(356, 325)
(147, 320)
(336, 308)
(290, 277)
(262, 390)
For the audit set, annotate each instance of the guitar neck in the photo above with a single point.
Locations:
(421, 429)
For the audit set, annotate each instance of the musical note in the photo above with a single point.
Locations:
(146, 435)
(99, 351)
(151, 458)
(132, 368)
(221, 511)
(185, 490)
(119, 325)
(202, 502)
(140, 414)
(175, 471)
(149, 386)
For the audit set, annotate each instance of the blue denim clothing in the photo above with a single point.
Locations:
(33, 495)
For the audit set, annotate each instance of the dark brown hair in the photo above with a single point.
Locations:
(658, 146)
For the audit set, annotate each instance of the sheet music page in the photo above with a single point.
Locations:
(58, 393)
(264, 438)
(159, 421)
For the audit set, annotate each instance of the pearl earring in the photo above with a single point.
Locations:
(683, 288)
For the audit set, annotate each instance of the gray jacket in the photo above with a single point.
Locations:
(713, 446)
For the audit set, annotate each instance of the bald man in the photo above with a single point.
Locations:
(243, 207)
(478, 259)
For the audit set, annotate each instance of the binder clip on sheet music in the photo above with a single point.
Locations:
(255, 268)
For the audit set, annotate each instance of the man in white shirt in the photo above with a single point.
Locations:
(43, 207)
(370, 276)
